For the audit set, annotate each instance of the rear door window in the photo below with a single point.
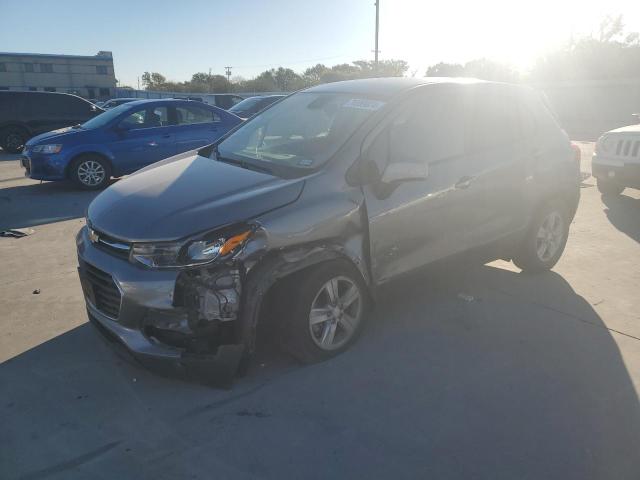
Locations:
(192, 114)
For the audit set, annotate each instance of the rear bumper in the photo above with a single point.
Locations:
(621, 173)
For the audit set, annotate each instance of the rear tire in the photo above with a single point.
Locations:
(609, 188)
(546, 237)
(12, 139)
(322, 311)
(90, 172)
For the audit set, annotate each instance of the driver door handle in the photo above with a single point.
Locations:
(464, 182)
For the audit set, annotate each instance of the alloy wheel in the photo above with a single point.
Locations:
(335, 313)
(91, 173)
(549, 237)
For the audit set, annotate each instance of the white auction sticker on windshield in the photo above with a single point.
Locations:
(364, 104)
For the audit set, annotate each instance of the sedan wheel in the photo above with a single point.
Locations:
(335, 313)
(91, 172)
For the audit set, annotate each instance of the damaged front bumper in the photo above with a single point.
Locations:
(177, 321)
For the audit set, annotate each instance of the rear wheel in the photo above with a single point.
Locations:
(606, 187)
(91, 172)
(545, 239)
(327, 309)
(12, 139)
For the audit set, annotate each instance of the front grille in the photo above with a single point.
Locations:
(628, 147)
(106, 295)
(111, 245)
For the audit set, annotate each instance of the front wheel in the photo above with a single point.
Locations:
(327, 309)
(609, 188)
(545, 239)
(91, 172)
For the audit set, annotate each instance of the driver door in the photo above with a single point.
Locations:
(143, 137)
(415, 222)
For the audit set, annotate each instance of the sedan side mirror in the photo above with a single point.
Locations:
(404, 171)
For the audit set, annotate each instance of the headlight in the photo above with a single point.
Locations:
(199, 251)
(606, 144)
(47, 148)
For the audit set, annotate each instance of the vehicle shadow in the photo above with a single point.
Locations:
(463, 372)
(41, 203)
(624, 213)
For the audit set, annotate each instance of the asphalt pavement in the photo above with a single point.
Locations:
(467, 371)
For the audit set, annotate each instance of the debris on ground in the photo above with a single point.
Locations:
(36, 291)
(17, 232)
(466, 297)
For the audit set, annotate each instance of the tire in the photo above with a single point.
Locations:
(90, 172)
(12, 139)
(545, 239)
(609, 188)
(307, 336)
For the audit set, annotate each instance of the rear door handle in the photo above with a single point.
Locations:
(464, 182)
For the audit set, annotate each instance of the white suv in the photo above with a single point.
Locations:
(616, 161)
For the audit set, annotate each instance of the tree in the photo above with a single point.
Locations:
(153, 81)
(443, 69)
(612, 54)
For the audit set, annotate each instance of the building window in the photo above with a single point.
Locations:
(101, 69)
(28, 67)
(104, 92)
(49, 89)
(33, 89)
(46, 68)
(3, 67)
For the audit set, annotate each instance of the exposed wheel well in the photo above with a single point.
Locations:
(75, 158)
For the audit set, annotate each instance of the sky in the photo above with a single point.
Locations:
(179, 38)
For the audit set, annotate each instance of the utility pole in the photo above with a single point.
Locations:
(209, 80)
(377, 4)
(138, 83)
(228, 73)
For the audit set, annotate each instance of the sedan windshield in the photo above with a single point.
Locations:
(106, 117)
(302, 131)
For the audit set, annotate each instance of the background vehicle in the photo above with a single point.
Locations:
(123, 140)
(25, 114)
(223, 100)
(114, 102)
(252, 105)
(616, 160)
(315, 202)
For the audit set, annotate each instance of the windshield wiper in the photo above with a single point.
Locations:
(243, 164)
(76, 127)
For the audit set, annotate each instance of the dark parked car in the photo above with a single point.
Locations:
(25, 114)
(252, 105)
(115, 102)
(312, 204)
(124, 139)
(224, 100)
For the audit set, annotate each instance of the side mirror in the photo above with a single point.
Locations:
(404, 172)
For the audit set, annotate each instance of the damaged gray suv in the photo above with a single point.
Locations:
(314, 203)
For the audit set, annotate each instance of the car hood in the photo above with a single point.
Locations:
(55, 135)
(186, 195)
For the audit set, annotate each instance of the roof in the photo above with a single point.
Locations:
(56, 55)
(387, 86)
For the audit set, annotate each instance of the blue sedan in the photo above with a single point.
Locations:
(124, 139)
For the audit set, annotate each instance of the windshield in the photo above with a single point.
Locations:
(106, 117)
(302, 131)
